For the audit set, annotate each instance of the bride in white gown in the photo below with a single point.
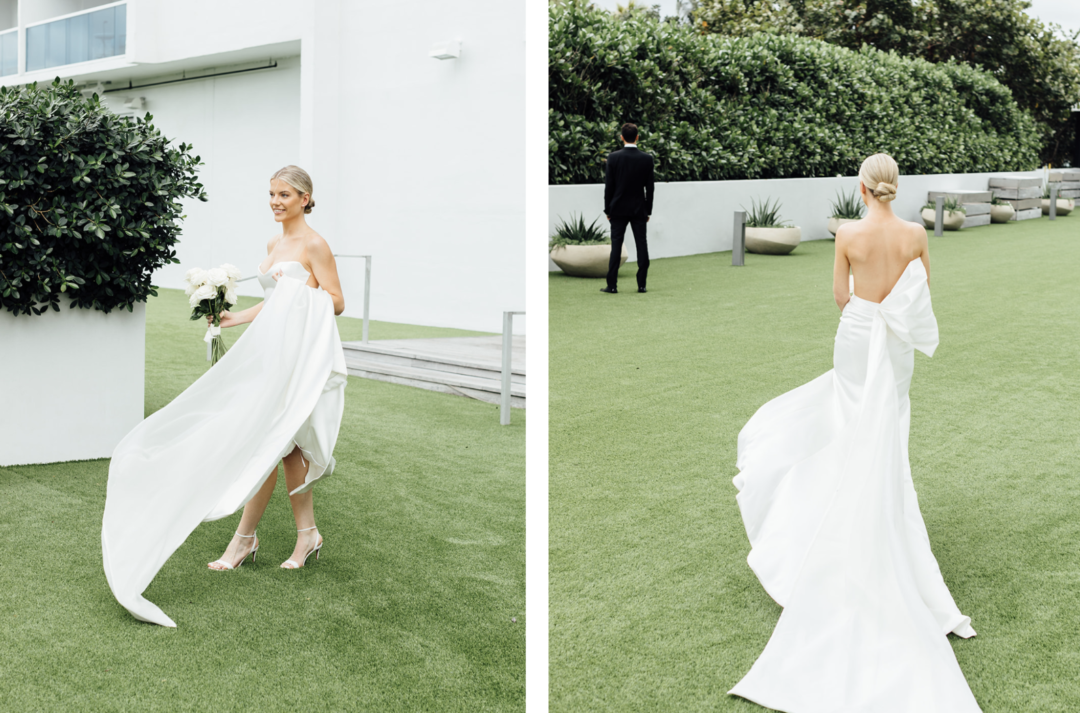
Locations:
(827, 499)
(277, 395)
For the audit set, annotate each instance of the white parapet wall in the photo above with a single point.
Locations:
(694, 217)
(72, 383)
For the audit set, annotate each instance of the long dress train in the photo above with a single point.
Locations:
(837, 539)
(205, 454)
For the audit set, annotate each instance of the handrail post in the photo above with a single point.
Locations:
(507, 367)
(939, 215)
(738, 240)
(1053, 201)
(367, 295)
(507, 351)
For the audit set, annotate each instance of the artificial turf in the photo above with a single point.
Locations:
(652, 604)
(412, 606)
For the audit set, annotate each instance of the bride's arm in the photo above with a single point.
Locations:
(232, 319)
(841, 269)
(325, 268)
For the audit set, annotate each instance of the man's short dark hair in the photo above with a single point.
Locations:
(629, 132)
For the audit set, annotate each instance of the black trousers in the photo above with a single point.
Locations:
(618, 233)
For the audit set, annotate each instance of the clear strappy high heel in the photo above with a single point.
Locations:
(291, 564)
(225, 566)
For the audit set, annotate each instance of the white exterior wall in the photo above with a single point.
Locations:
(244, 127)
(421, 160)
(72, 383)
(694, 217)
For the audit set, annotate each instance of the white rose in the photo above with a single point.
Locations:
(196, 276)
(217, 277)
(232, 271)
(230, 296)
(204, 292)
(193, 301)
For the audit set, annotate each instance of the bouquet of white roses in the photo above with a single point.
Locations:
(211, 292)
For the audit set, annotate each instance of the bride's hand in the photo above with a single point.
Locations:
(277, 275)
(228, 319)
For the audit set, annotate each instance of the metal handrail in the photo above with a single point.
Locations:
(367, 291)
(507, 353)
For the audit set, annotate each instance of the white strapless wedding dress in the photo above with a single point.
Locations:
(204, 455)
(837, 539)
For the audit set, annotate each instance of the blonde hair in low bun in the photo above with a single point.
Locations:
(299, 179)
(880, 174)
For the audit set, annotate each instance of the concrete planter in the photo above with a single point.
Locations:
(1064, 206)
(952, 219)
(77, 377)
(1001, 213)
(772, 241)
(585, 260)
(835, 223)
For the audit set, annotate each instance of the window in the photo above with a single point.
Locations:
(9, 53)
(91, 35)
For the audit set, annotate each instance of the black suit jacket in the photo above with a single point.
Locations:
(628, 189)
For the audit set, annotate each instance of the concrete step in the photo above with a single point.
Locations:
(1017, 193)
(962, 196)
(484, 389)
(976, 220)
(374, 354)
(1016, 181)
(1029, 214)
(1024, 203)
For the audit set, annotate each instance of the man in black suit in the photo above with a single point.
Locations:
(628, 199)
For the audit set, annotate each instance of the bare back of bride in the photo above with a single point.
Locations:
(829, 505)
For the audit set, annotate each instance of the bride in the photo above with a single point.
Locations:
(277, 395)
(827, 499)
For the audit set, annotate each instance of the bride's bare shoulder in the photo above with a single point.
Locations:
(272, 242)
(315, 244)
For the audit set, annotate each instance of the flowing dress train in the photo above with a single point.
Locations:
(205, 454)
(837, 538)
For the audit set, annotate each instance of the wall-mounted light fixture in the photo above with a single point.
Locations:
(446, 50)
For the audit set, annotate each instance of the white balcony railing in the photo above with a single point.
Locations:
(93, 34)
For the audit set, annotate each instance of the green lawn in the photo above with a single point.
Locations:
(652, 604)
(410, 607)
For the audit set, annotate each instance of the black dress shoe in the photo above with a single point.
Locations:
(609, 290)
(641, 289)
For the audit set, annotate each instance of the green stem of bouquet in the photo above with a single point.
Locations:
(217, 344)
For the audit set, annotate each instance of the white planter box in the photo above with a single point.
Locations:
(72, 383)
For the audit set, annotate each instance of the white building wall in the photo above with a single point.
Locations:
(428, 156)
(245, 127)
(171, 31)
(694, 217)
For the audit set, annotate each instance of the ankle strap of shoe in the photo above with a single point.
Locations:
(306, 529)
(247, 536)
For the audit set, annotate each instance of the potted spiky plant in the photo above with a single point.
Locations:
(953, 217)
(766, 233)
(582, 250)
(1001, 211)
(847, 208)
(1064, 205)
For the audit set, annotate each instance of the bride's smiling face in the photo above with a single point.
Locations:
(286, 202)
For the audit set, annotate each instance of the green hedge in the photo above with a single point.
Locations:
(89, 201)
(766, 106)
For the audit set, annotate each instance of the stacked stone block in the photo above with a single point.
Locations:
(976, 203)
(1068, 182)
(1024, 193)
